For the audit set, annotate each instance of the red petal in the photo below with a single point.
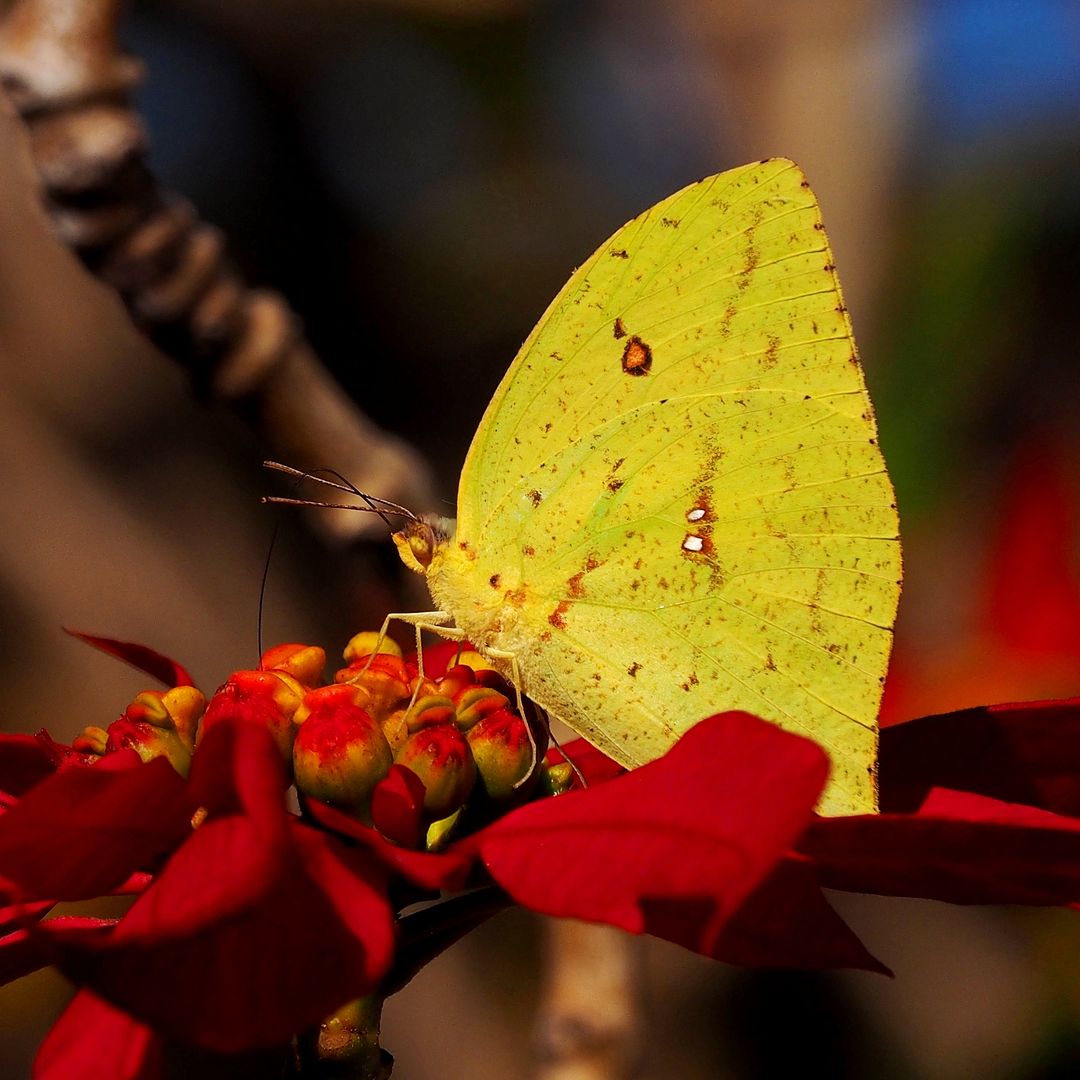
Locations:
(24, 762)
(1033, 591)
(25, 951)
(245, 938)
(397, 806)
(443, 870)
(15, 916)
(696, 830)
(251, 900)
(141, 657)
(787, 922)
(94, 1041)
(237, 768)
(1025, 753)
(83, 831)
(959, 847)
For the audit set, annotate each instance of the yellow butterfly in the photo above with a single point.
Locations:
(675, 503)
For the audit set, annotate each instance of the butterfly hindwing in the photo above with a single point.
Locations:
(680, 477)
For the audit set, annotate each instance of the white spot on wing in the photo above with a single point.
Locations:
(693, 543)
(696, 514)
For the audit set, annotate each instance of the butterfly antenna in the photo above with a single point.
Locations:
(375, 503)
(262, 586)
(280, 500)
(269, 556)
(343, 484)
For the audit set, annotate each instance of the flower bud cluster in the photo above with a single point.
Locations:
(418, 757)
(458, 735)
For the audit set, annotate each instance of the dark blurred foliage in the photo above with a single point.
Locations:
(419, 185)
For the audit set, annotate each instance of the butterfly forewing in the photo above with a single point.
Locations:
(680, 476)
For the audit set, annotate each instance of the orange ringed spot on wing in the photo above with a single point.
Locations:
(493, 581)
(636, 357)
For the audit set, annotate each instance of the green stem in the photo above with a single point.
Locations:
(346, 1045)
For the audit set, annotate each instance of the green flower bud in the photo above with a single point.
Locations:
(556, 779)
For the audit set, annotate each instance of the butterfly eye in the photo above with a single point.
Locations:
(422, 542)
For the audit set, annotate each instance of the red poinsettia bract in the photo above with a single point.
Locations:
(251, 923)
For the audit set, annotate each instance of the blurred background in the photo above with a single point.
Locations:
(419, 177)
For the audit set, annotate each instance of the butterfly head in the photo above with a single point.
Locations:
(422, 540)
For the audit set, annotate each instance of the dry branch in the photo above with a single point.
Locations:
(62, 71)
(589, 1025)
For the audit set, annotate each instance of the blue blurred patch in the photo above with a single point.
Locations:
(994, 66)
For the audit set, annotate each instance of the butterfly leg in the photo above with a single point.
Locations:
(451, 633)
(420, 621)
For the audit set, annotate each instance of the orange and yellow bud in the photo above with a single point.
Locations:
(305, 663)
(475, 702)
(456, 679)
(265, 697)
(440, 756)
(93, 740)
(185, 706)
(366, 643)
(325, 695)
(429, 711)
(384, 680)
(157, 724)
(503, 753)
(340, 753)
(472, 659)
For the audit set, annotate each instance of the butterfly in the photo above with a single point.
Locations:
(675, 503)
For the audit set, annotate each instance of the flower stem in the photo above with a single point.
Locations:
(346, 1045)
